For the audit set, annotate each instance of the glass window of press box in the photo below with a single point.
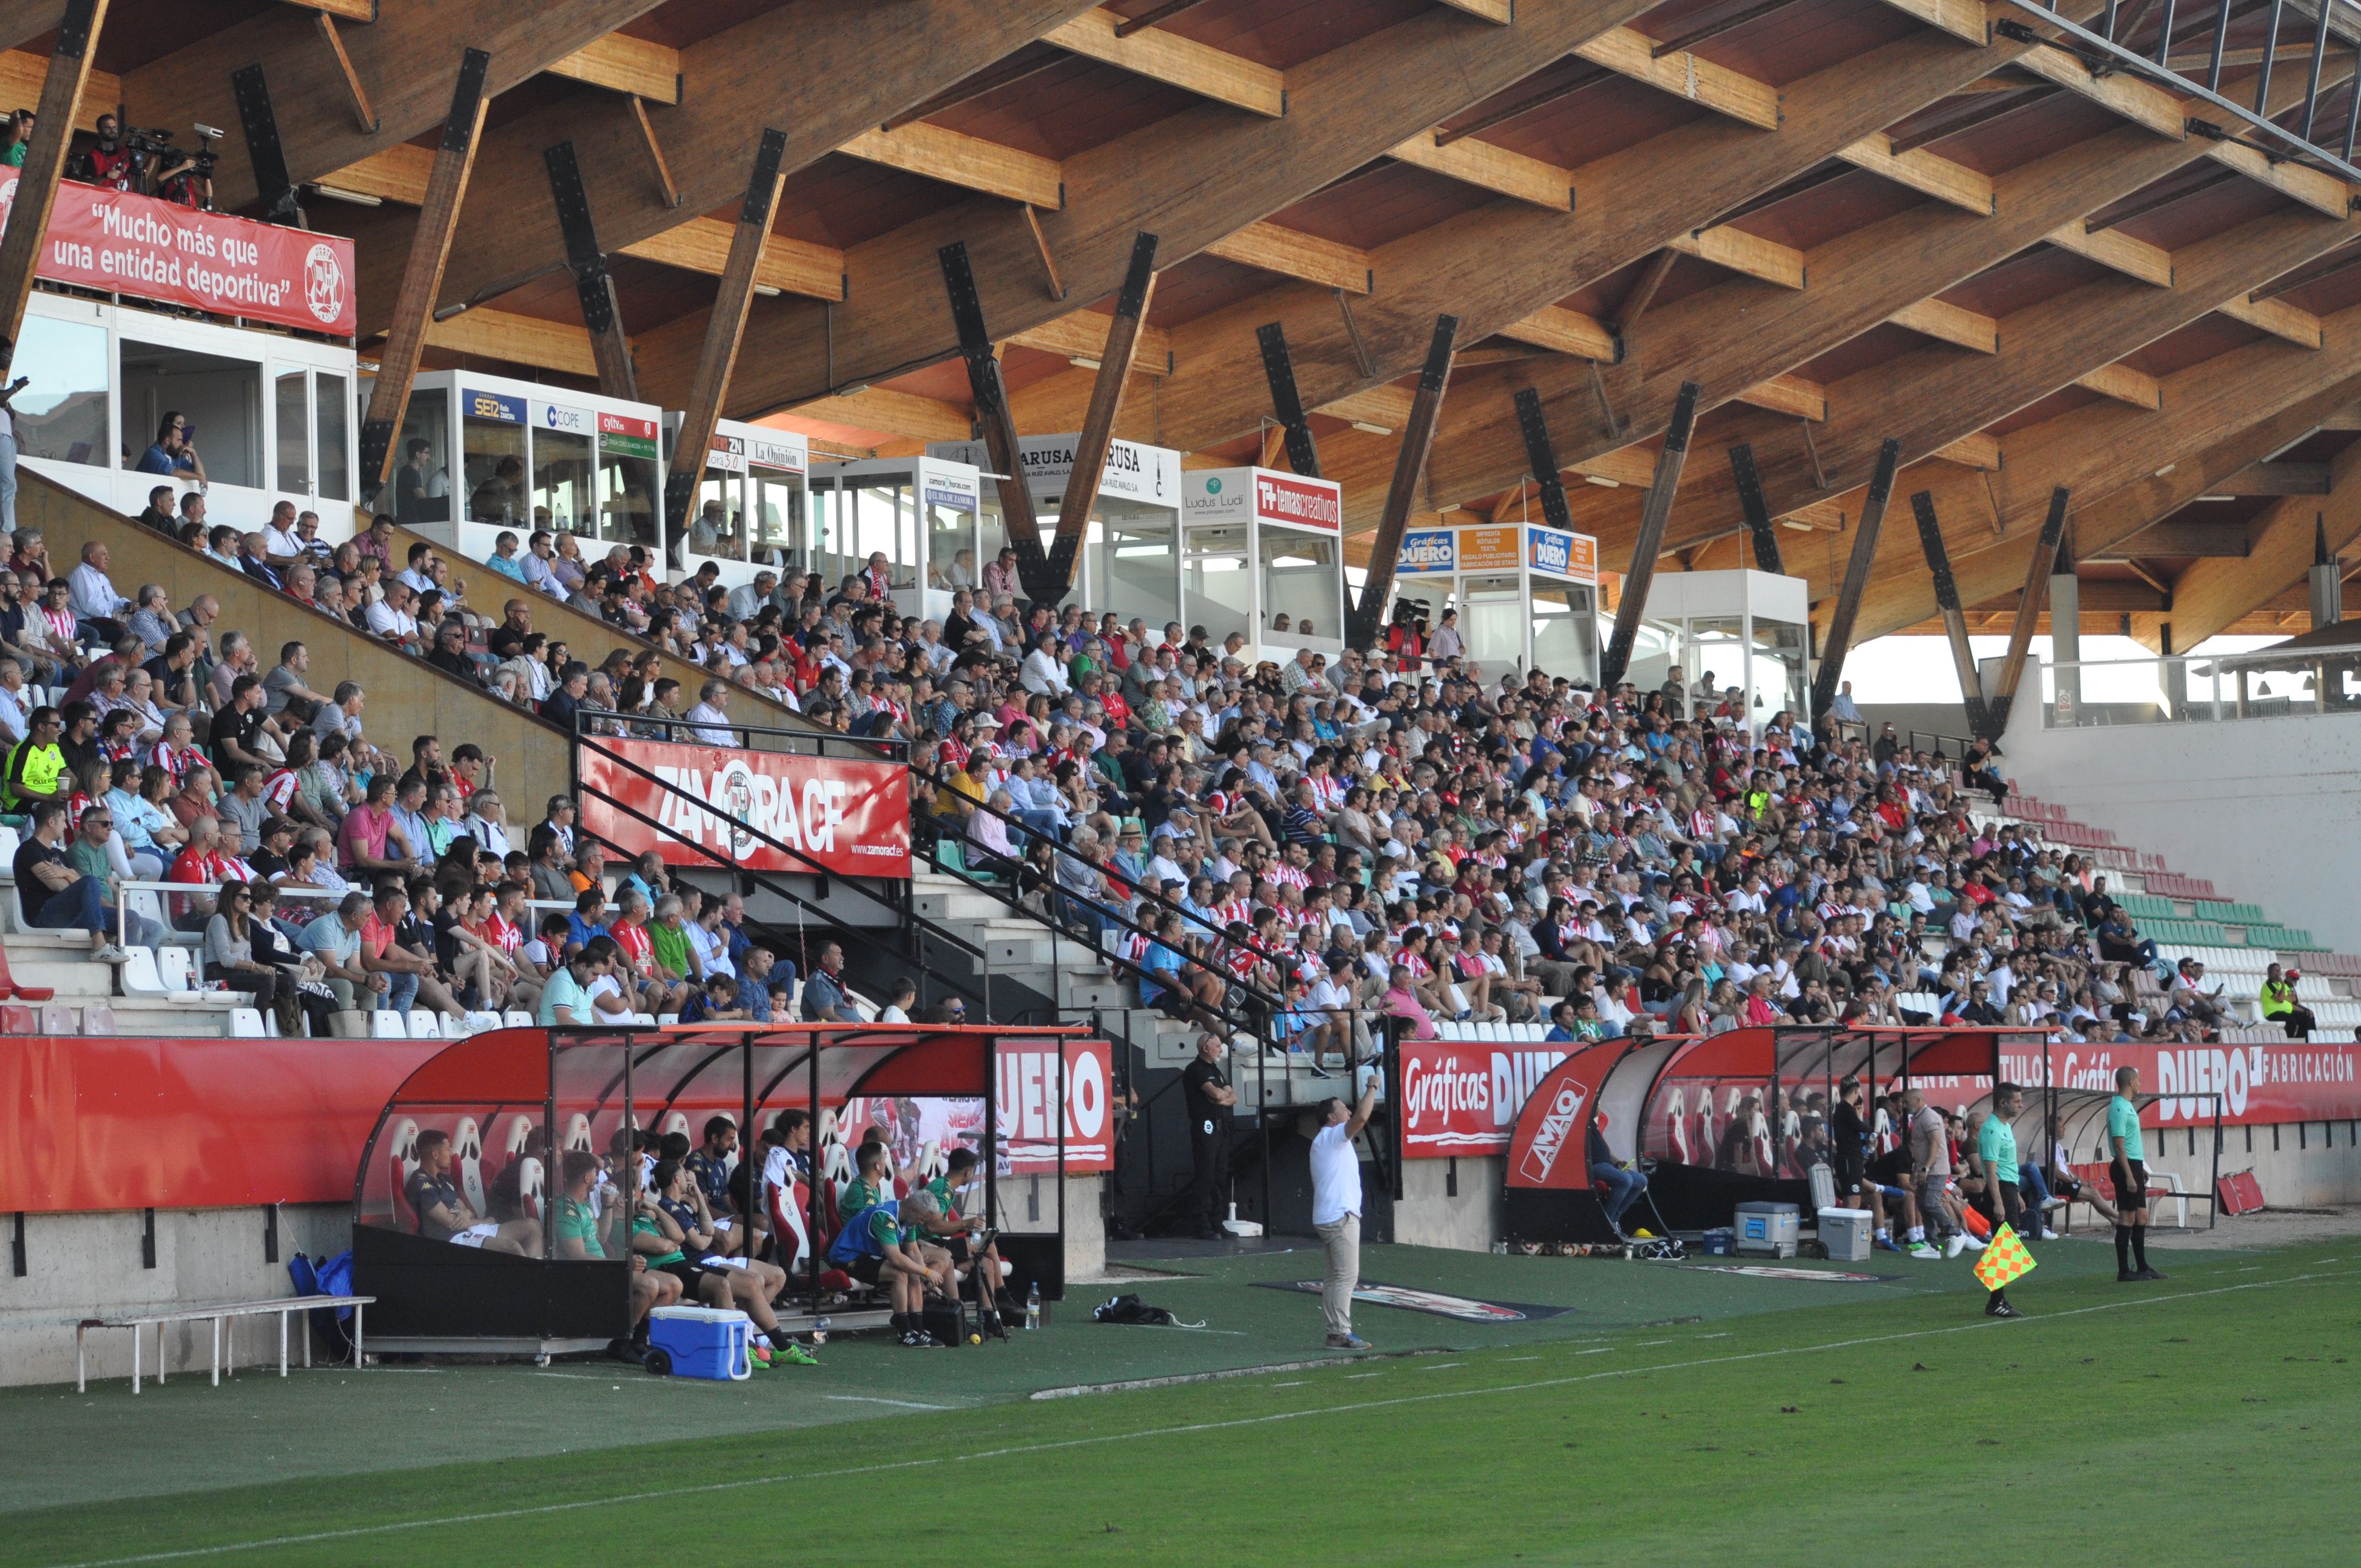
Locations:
(1732, 642)
(1302, 585)
(267, 415)
(920, 512)
(749, 509)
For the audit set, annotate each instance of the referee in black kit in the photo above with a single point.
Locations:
(1207, 1097)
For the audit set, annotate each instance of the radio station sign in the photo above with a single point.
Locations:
(125, 244)
(1238, 494)
(1499, 547)
(852, 818)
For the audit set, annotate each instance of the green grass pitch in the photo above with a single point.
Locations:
(1670, 1415)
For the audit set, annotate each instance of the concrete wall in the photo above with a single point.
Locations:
(2308, 1165)
(1431, 1214)
(80, 1265)
(2264, 807)
(406, 697)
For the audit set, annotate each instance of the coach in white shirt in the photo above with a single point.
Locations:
(1336, 1210)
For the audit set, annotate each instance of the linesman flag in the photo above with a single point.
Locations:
(2004, 1260)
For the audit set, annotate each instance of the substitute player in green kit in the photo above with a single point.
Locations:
(2129, 1160)
(1996, 1155)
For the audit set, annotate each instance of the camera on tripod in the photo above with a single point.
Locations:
(158, 163)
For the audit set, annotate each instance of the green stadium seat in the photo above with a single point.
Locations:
(2145, 905)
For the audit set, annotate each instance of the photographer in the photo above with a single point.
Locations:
(186, 178)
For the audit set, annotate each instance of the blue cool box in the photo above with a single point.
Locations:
(703, 1341)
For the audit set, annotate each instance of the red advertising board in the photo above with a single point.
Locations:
(852, 818)
(124, 244)
(1550, 1148)
(2286, 1080)
(101, 1122)
(1462, 1098)
(1308, 504)
(1026, 1094)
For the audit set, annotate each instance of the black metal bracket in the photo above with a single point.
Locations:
(1286, 402)
(1757, 510)
(256, 117)
(1541, 456)
(583, 256)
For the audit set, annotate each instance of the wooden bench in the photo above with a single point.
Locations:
(217, 1313)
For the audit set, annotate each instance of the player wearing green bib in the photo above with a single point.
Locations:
(2129, 1160)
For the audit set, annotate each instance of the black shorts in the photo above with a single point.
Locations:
(2131, 1193)
(690, 1274)
(865, 1269)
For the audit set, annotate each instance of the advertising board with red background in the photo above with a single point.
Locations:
(112, 240)
(1462, 1098)
(1026, 1088)
(852, 818)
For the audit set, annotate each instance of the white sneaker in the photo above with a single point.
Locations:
(111, 954)
(1954, 1243)
(1970, 1243)
(2053, 1203)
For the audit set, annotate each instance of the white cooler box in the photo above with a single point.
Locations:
(1767, 1230)
(1845, 1232)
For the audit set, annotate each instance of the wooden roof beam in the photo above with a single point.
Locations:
(1501, 264)
(1345, 107)
(1175, 61)
(406, 57)
(1856, 284)
(907, 52)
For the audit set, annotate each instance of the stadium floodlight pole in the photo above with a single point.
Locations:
(1751, 500)
(1654, 515)
(45, 163)
(1838, 641)
(1098, 420)
(1955, 620)
(1286, 402)
(1410, 474)
(725, 328)
(2028, 611)
(996, 422)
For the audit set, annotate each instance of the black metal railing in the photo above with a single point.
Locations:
(2118, 41)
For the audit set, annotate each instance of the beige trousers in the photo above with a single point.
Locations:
(1342, 1241)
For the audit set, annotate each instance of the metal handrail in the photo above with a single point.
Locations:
(1273, 1004)
(802, 742)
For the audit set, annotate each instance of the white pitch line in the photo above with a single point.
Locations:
(873, 1400)
(1190, 1429)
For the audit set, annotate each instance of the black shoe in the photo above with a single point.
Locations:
(2001, 1309)
(624, 1351)
(2143, 1272)
(2124, 1276)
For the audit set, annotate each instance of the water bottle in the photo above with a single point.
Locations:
(1033, 1308)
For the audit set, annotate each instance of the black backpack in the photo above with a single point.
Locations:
(1132, 1309)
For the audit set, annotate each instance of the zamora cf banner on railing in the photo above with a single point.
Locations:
(690, 803)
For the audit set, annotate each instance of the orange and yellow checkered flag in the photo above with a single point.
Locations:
(2004, 1260)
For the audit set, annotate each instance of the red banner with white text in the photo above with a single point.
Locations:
(124, 244)
(1462, 1099)
(1026, 1098)
(852, 818)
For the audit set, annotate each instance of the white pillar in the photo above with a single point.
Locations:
(2066, 635)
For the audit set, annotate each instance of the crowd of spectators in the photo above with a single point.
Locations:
(1307, 843)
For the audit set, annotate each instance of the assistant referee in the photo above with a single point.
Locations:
(1996, 1153)
(2130, 1172)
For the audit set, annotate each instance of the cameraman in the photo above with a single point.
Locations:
(185, 177)
(106, 162)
